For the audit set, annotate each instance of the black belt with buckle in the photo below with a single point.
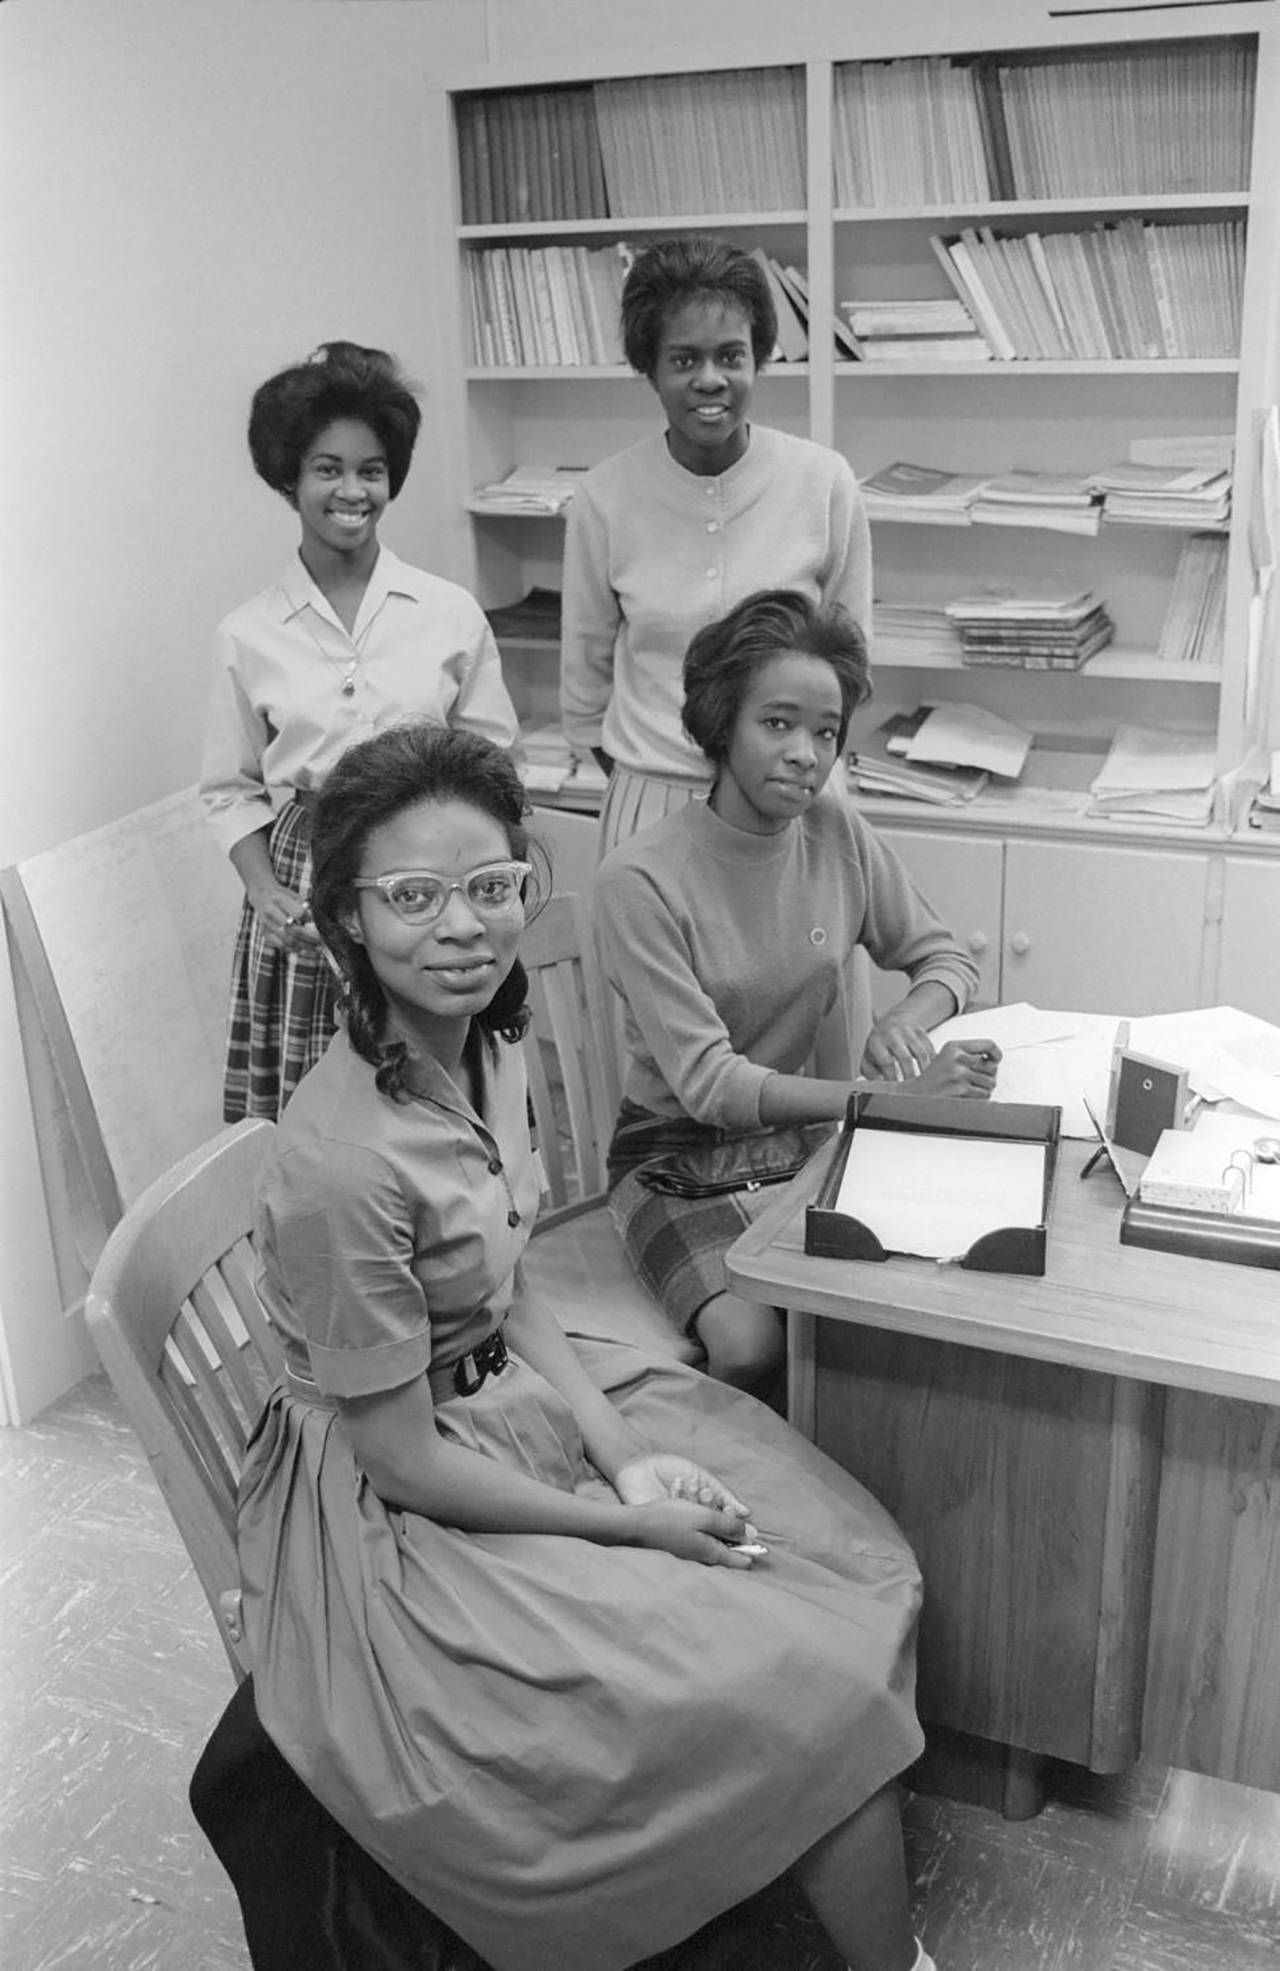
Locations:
(472, 1371)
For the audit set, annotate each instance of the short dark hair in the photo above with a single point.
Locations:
(373, 782)
(692, 267)
(339, 379)
(724, 656)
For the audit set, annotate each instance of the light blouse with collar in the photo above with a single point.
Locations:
(293, 689)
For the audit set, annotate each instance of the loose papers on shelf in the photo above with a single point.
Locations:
(529, 489)
(1168, 775)
(970, 736)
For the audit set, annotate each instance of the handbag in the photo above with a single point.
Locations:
(734, 1163)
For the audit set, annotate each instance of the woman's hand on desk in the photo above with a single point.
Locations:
(960, 1067)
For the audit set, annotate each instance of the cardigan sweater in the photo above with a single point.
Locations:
(729, 949)
(652, 552)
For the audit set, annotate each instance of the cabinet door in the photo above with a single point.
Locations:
(1103, 930)
(1249, 962)
(962, 880)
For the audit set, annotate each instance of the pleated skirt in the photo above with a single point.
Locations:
(283, 1003)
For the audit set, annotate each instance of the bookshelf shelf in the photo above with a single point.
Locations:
(587, 373)
(1117, 664)
(1112, 366)
(1189, 195)
(620, 228)
(991, 211)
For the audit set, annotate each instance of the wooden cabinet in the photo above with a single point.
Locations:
(964, 881)
(1248, 969)
(1101, 929)
(1085, 927)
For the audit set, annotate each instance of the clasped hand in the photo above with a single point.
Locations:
(687, 1510)
(900, 1051)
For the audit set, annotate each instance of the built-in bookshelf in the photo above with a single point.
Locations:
(1098, 195)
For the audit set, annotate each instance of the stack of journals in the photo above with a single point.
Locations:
(921, 493)
(1051, 127)
(528, 489)
(546, 305)
(1047, 632)
(1063, 502)
(910, 633)
(1130, 290)
(915, 332)
(530, 154)
(1165, 495)
(1168, 776)
(1195, 619)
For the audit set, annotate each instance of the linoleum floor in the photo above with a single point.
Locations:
(112, 1676)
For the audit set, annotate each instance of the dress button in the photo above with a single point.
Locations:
(712, 491)
(711, 574)
(513, 1217)
(495, 1165)
(713, 526)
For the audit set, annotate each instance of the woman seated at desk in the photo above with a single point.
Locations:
(499, 1620)
(727, 929)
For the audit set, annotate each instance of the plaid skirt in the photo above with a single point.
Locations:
(283, 1003)
(676, 1246)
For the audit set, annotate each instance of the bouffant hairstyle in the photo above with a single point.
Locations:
(339, 379)
(692, 267)
(372, 783)
(724, 657)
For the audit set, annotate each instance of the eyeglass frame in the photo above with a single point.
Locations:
(523, 871)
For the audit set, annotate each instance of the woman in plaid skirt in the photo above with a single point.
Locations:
(349, 640)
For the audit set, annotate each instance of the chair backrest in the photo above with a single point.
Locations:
(175, 1316)
(572, 1079)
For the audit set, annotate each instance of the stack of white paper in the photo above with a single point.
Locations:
(548, 762)
(528, 489)
(1168, 775)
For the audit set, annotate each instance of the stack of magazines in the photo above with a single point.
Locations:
(915, 332)
(1195, 619)
(1063, 502)
(911, 633)
(1046, 632)
(1165, 495)
(921, 493)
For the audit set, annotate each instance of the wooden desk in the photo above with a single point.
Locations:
(1088, 1466)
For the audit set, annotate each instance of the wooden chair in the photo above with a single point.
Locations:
(575, 1259)
(175, 1316)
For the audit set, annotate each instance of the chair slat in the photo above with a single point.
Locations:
(206, 1455)
(238, 1271)
(230, 1357)
(189, 1343)
(544, 1116)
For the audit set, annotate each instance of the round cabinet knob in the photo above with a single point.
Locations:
(1020, 944)
(978, 943)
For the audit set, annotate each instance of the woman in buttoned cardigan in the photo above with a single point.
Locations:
(672, 532)
(348, 640)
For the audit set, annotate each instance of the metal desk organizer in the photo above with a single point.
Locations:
(833, 1234)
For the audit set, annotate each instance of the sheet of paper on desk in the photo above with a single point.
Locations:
(1063, 1059)
(934, 1195)
(1226, 1053)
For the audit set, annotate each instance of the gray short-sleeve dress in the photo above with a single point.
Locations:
(574, 1754)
